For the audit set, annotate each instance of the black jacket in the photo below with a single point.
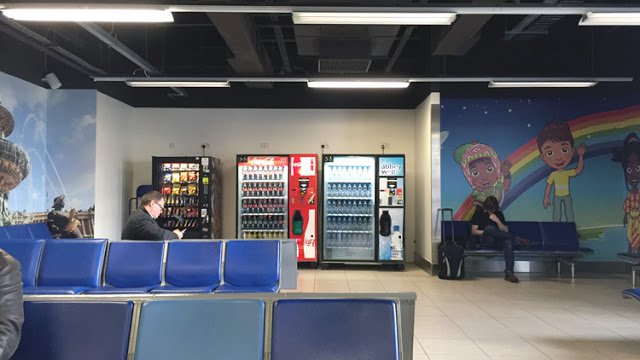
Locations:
(141, 226)
(11, 311)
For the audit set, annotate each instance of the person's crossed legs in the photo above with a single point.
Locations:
(502, 240)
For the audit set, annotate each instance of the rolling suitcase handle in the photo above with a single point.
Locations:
(440, 219)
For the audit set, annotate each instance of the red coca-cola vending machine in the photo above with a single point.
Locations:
(303, 205)
(277, 199)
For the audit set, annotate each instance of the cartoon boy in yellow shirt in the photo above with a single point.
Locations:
(555, 143)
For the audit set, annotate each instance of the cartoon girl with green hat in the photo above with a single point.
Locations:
(483, 170)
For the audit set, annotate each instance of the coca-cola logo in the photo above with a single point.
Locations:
(262, 161)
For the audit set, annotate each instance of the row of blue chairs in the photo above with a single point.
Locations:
(98, 266)
(25, 231)
(330, 327)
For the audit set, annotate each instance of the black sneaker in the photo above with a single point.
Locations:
(511, 277)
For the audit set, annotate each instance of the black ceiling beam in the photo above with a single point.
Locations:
(48, 47)
(398, 50)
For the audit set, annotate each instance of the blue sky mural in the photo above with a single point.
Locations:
(57, 130)
(71, 144)
(28, 105)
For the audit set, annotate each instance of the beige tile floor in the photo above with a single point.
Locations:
(486, 317)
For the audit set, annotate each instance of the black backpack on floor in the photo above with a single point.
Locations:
(450, 255)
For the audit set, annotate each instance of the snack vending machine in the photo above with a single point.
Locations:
(363, 212)
(191, 187)
(277, 199)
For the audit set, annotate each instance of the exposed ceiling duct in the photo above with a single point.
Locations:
(461, 36)
(249, 56)
(534, 26)
(345, 49)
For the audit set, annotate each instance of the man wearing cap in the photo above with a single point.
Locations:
(142, 225)
(56, 218)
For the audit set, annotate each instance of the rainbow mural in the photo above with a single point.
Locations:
(601, 132)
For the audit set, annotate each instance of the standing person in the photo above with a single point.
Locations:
(489, 225)
(142, 225)
(72, 228)
(57, 220)
(555, 143)
(629, 156)
(11, 311)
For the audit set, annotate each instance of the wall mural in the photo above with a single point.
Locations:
(47, 157)
(551, 159)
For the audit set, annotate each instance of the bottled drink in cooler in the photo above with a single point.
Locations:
(385, 223)
(296, 223)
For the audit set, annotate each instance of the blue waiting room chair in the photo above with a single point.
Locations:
(17, 231)
(28, 252)
(201, 329)
(335, 329)
(132, 267)
(192, 267)
(39, 231)
(72, 330)
(251, 266)
(69, 267)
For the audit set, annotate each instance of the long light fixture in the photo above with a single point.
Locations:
(131, 15)
(541, 84)
(374, 18)
(610, 18)
(199, 84)
(363, 84)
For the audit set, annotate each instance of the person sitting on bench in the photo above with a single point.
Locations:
(489, 226)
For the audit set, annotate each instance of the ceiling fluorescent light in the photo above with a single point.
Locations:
(202, 84)
(355, 84)
(617, 18)
(90, 15)
(374, 18)
(541, 84)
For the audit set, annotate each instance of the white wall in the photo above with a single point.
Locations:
(180, 132)
(427, 174)
(113, 173)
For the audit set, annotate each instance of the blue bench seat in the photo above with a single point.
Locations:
(69, 330)
(334, 329)
(25, 231)
(69, 267)
(547, 240)
(133, 267)
(201, 329)
(634, 260)
(192, 267)
(28, 252)
(251, 266)
(632, 293)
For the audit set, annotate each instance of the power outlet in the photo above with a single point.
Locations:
(324, 146)
(385, 146)
(265, 146)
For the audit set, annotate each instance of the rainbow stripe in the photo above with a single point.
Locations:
(600, 131)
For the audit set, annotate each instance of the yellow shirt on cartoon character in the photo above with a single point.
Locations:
(560, 180)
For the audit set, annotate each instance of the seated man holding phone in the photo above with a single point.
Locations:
(142, 225)
(489, 225)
